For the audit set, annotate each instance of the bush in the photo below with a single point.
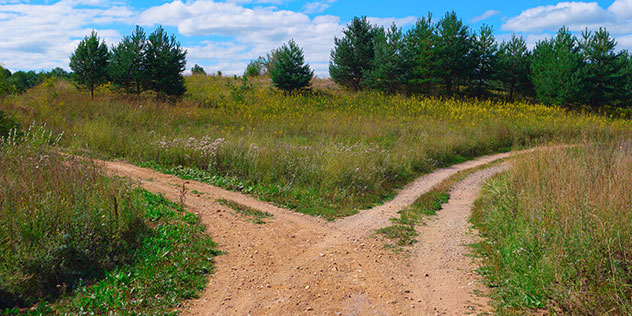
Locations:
(62, 221)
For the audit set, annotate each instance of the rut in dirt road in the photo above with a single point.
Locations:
(300, 265)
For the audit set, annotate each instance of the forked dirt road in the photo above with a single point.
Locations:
(301, 265)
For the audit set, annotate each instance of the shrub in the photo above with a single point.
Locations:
(7, 123)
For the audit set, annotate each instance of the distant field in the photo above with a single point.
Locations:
(327, 154)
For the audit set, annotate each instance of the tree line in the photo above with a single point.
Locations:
(138, 63)
(20, 81)
(448, 58)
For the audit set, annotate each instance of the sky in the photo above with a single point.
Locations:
(223, 35)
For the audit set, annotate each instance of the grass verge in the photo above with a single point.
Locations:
(76, 242)
(403, 232)
(558, 232)
(256, 215)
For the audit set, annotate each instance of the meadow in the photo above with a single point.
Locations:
(558, 232)
(327, 153)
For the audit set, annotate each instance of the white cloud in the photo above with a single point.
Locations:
(43, 36)
(486, 15)
(317, 6)
(575, 15)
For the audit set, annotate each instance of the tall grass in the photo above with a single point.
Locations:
(558, 230)
(328, 153)
(62, 221)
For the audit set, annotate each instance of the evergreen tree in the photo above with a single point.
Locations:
(126, 66)
(556, 70)
(514, 61)
(164, 63)
(198, 70)
(289, 72)
(453, 50)
(352, 56)
(603, 69)
(419, 52)
(484, 53)
(90, 62)
(389, 68)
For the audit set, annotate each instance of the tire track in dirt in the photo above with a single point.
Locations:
(296, 264)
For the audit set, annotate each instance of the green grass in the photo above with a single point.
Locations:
(170, 265)
(77, 242)
(256, 215)
(327, 154)
(558, 232)
(403, 233)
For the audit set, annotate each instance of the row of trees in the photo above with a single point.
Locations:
(447, 57)
(20, 81)
(136, 64)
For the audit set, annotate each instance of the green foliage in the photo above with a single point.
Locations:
(256, 68)
(353, 54)
(126, 67)
(453, 51)
(556, 70)
(170, 265)
(420, 55)
(198, 70)
(290, 72)
(164, 63)
(6, 86)
(7, 123)
(484, 52)
(63, 222)
(604, 72)
(389, 69)
(514, 60)
(89, 62)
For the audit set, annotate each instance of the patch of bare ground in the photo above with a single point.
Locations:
(295, 264)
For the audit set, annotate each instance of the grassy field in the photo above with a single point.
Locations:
(76, 242)
(328, 153)
(558, 230)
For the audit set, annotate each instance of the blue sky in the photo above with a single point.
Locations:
(225, 35)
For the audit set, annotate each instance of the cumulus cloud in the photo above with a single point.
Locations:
(486, 15)
(576, 16)
(255, 31)
(43, 36)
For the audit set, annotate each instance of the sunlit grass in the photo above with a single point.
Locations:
(328, 153)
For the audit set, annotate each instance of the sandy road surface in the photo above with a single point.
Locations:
(301, 265)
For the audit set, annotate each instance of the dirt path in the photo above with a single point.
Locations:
(300, 265)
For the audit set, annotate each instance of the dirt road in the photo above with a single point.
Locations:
(301, 265)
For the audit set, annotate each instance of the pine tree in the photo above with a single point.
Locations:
(164, 63)
(198, 70)
(352, 56)
(603, 70)
(126, 66)
(289, 72)
(556, 70)
(420, 54)
(484, 54)
(514, 60)
(90, 62)
(453, 51)
(389, 70)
